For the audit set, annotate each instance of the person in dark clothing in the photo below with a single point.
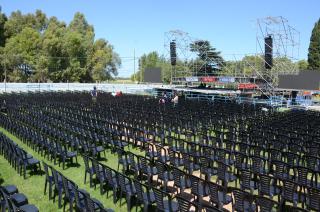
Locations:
(4, 107)
(94, 94)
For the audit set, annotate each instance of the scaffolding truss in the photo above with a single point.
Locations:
(187, 63)
(285, 52)
(286, 43)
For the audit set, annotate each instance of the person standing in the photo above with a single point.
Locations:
(175, 100)
(94, 94)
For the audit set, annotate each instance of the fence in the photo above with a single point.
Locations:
(107, 87)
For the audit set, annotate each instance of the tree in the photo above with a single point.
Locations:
(53, 49)
(209, 59)
(3, 20)
(22, 52)
(17, 22)
(302, 65)
(147, 61)
(38, 49)
(314, 48)
(104, 62)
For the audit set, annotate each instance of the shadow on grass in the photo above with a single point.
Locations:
(36, 172)
(72, 165)
(102, 159)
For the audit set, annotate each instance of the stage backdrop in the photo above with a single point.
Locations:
(305, 80)
(152, 75)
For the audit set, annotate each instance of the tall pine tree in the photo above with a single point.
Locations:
(314, 48)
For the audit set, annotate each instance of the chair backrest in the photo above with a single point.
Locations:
(265, 182)
(208, 208)
(122, 181)
(214, 192)
(12, 207)
(301, 175)
(160, 197)
(239, 159)
(239, 198)
(197, 185)
(280, 169)
(3, 199)
(56, 175)
(139, 188)
(289, 189)
(161, 169)
(76, 193)
(265, 204)
(314, 199)
(221, 170)
(185, 205)
(89, 204)
(178, 177)
(66, 183)
(86, 162)
(258, 163)
(245, 179)
(46, 170)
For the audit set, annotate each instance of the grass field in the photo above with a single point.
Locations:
(33, 186)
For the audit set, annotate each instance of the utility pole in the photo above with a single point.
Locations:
(5, 75)
(134, 65)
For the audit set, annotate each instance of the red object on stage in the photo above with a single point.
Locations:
(247, 86)
(208, 79)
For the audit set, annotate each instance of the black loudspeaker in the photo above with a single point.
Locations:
(173, 52)
(268, 45)
(294, 96)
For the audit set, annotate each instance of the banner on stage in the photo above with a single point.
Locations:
(192, 79)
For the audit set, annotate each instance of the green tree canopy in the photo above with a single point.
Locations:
(209, 59)
(302, 65)
(36, 48)
(314, 48)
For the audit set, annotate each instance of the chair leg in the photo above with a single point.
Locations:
(45, 186)
(24, 172)
(145, 207)
(50, 191)
(128, 203)
(91, 180)
(85, 177)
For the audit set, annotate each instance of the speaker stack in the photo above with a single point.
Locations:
(268, 45)
(173, 52)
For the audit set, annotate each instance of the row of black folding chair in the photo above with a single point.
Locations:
(68, 191)
(13, 201)
(18, 157)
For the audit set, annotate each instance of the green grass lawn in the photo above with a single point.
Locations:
(33, 186)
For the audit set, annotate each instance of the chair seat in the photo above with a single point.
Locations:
(249, 206)
(29, 208)
(174, 206)
(10, 189)
(223, 198)
(33, 161)
(210, 171)
(152, 170)
(149, 198)
(99, 149)
(229, 177)
(19, 199)
(178, 162)
(71, 154)
(166, 176)
(252, 185)
(97, 203)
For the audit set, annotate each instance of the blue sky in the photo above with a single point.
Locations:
(141, 24)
